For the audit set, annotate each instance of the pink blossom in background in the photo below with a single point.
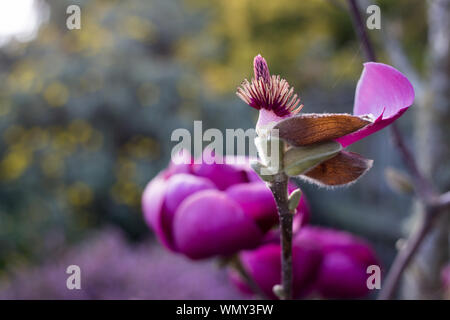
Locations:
(204, 210)
(326, 262)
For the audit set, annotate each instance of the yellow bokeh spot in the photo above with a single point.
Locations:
(126, 169)
(22, 76)
(36, 138)
(138, 28)
(141, 147)
(126, 193)
(52, 165)
(218, 78)
(64, 141)
(14, 163)
(56, 94)
(80, 130)
(90, 39)
(79, 194)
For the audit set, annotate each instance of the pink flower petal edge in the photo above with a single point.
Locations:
(385, 93)
(152, 203)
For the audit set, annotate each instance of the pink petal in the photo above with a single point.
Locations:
(266, 117)
(345, 260)
(222, 174)
(182, 164)
(152, 206)
(382, 87)
(331, 240)
(257, 201)
(264, 267)
(342, 277)
(382, 91)
(377, 125)
(179, 188)
(210, 223)
(306, 260)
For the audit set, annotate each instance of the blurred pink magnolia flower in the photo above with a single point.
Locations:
(203, 210)
(326, 262)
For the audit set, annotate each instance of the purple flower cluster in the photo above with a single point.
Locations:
(205, 210)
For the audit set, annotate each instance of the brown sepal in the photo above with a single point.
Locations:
(309, 128)
(344, 168)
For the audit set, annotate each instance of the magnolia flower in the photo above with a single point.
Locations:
(271, 95)
(328, 263)
(203, 210)
(316, 141)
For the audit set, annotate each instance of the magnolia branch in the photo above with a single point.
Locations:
(279, 188)
(424, 186)
(405, 255)
(359, 25)
(397, 55)
(443, 201)
(424, 189)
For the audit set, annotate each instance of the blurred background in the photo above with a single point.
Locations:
(86, 117)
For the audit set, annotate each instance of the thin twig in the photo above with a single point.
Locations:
(396, 53)
(425, 186)
(424, 189)
(405, 255)
(361, 30)
(443, 201)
